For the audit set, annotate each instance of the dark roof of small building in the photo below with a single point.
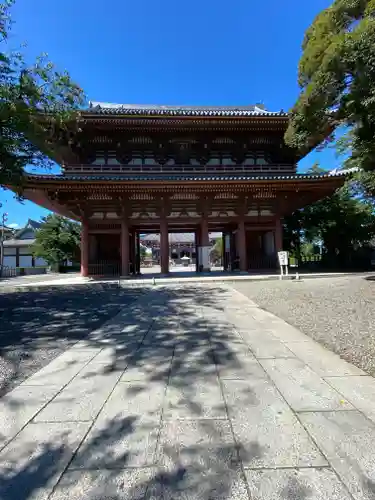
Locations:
(33, 224)
(106, 108)
(191, 177)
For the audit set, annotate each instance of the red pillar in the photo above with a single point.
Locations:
(125, 250)
(204, 242)
(197, 245)
(278, 235)
(205, 237)
(241, 245)
(164, 246)
(85, 248)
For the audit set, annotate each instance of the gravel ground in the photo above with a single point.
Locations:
(35, 327)
(337, 312)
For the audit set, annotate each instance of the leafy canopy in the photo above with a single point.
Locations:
(57, 240)
(337, 80)
(35, 101)
(342, 223)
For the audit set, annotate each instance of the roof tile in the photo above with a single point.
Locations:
(167, 110)
(186, 177)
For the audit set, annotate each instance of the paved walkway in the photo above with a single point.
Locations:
(26, 283)
(192, 392)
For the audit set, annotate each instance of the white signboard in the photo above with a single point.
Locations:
(283, 258)
(283, 261)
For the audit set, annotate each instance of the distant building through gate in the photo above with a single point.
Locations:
(180, 245)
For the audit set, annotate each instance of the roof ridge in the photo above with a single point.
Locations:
(97, 107)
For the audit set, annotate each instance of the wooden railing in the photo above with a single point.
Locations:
(176, 169)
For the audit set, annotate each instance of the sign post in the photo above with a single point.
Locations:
(283, 261)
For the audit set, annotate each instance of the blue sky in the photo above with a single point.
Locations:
(170, 52)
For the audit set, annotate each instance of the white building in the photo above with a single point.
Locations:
(18, 250)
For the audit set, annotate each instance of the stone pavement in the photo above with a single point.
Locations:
(192, 392)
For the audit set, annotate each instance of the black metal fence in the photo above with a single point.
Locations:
(8, 272)
(105, 269)
(356, 261)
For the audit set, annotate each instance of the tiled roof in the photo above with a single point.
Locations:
(105, 108)
(189, 177)
(33, 224)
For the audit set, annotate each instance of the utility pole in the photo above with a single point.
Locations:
(4, 218)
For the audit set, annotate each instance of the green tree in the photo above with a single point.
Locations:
(345, 224)
(57, 240)
(217, 250)
(36, 104)
(142, 253)
(337, 81)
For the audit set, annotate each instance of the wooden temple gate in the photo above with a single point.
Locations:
(128, 170)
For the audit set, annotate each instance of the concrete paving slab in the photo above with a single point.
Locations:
(346, 438)
(187, 374)
(267, 431)
(302, 388)
(143, 371)
(296, 484)
(19, 406)
(325, 363)
(237, 366)
(266, 321)
(126, 430)
(153, 354)
(81, 400)
(201, 400)
(128, 328)
(130, 484)
(33, 462)
(61, 370)
(118, 351)
(198, 444)
(135, 399)
(360, 391)
(193, 363)
(100, 371)
(265, 345)
(118, 442)
(198, 484)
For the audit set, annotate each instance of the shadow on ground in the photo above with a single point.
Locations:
(163, 340)
(35, 327)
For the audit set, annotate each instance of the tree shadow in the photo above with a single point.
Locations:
(33, 476)
(35, 327)
(162, 340)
